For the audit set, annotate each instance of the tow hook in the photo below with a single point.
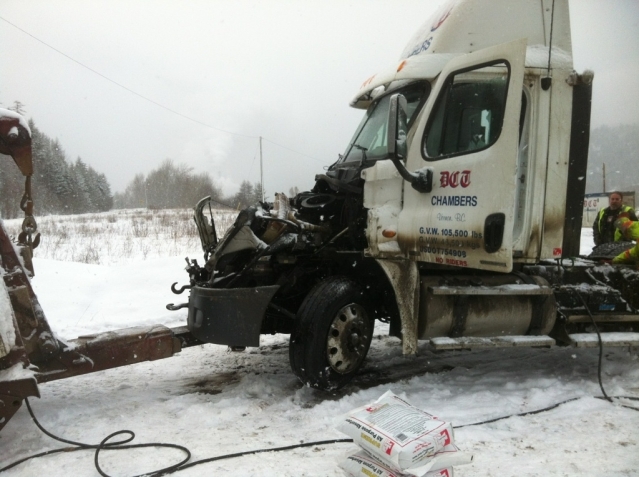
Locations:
(179, 291)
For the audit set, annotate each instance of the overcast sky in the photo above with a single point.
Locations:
(283, 70)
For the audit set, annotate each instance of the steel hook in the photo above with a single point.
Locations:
(179, 291)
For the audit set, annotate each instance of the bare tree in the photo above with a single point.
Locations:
(18, 107)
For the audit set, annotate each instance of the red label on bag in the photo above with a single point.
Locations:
(446, 436)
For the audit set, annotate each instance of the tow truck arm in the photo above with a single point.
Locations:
(30, 352)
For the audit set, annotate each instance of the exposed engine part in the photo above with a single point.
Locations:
(206, 228)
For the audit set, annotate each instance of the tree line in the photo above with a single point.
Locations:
(174, 185)
(58, 186)
(169, 186)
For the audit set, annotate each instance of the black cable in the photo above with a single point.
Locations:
(183, 465)
(632, 398)
(594, 323)
(104, 445)
(528, 413)
(549, 408)
(41, 454)
(337, 441)
(259, 451)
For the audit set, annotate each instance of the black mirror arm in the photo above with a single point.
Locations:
(421, 180)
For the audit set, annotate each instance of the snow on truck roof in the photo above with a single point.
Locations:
(464, 26)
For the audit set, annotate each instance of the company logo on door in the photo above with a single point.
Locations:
(454, 179)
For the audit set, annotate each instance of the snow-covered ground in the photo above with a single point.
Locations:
(217, 402)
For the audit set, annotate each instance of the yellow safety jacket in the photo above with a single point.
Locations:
(630, 231)
(600, 224)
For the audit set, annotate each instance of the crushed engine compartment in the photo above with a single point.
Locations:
(272, 255)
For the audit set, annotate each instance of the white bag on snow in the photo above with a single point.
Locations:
(362, 464)
(402, 436)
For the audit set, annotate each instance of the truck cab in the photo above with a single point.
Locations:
(490, 121)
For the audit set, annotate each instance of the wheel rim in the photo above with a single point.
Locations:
(348, 338)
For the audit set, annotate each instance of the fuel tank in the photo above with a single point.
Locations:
(493, 305)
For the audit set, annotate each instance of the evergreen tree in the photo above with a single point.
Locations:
(104, 198)
(257, 193)
(81, 201)
(58, 187)
(244, 196)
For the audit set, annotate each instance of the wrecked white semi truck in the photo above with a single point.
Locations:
(454, 215)
(450, 215)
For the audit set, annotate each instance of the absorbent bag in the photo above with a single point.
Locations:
(362, 464)
(402, 436)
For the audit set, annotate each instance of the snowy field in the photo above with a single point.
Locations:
(217, 402)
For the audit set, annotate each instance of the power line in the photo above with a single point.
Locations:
(293, 150)
(149, 99)
(123, 86)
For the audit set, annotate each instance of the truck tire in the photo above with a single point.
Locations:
(332, 335)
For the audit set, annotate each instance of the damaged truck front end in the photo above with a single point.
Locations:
(274, 268)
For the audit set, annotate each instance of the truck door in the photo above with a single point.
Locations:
(468, 136)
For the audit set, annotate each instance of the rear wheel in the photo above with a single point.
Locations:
(333, 332)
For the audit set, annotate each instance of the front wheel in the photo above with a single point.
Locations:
(332, 335)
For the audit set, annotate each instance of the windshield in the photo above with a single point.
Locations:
(370, 136)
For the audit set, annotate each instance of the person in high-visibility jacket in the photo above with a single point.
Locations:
(603, 229)
(629, 230)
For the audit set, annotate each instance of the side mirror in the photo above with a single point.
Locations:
(397, 126)
(420, 180)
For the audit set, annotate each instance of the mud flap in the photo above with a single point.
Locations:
(229, 316)
(403, 275)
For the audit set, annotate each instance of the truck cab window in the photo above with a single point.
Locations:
(469, 112)
(369, 140)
